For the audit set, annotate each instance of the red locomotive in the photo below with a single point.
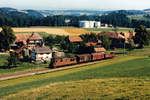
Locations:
(65, 61)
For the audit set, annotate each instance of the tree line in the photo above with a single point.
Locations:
(119, 19)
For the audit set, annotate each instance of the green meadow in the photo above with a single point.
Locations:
(108, 29)
(121, 78)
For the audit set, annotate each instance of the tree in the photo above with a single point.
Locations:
(13, 60)
(131, 44)
(106, 42)
(6, 38)
(92, 37)
(142, 36)
(49, 41)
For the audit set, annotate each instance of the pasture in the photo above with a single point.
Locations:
(109, 29)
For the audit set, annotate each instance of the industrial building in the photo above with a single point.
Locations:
(89, 24)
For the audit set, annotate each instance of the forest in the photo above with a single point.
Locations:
(117, 19)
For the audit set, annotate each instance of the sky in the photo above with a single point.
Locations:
(77, 4)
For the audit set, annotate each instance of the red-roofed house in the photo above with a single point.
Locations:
(30, 40)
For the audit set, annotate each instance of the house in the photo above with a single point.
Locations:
(110, 34)
(116, 38)
(97, 46)
(75, 39)
(41, 54)
(30, 40)
(119, 39)
(88, 44)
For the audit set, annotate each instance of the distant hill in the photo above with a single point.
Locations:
(147, 11)
(44, 13)
(33, 13)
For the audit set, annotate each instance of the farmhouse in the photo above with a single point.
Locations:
(41, 54)
(118, 39)
(88, 44)
(97, 46)
(30, 40)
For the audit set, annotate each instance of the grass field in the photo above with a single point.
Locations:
(119, 79)
(109, 29)
(24, 66)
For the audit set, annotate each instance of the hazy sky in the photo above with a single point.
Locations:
(76, 4)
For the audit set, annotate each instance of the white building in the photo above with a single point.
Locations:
(97, 24)
(89, 24)
(41, 54)
(84, 24)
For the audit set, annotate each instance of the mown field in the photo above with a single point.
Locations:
(121, 78)
(51, 30)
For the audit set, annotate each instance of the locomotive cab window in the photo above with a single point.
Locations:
(72, 59)
(61, 60)
(82, 58)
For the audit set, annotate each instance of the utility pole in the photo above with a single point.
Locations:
(124, 47)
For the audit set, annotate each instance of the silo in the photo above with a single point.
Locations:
(84, 24)
(91, 24)
(97, 24)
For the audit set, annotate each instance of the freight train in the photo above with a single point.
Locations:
(83, 58)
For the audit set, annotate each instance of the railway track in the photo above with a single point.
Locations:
(42, 71)
(46, 70)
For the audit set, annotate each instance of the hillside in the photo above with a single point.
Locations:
(138, 17)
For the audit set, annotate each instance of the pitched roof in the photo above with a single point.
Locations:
(75, 39)
(25, 37)
(110, 34)
(99, 49)
(18, 51)
(39, 50)
(91, 44)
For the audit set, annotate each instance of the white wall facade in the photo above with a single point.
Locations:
(41, 57)
(97, 24)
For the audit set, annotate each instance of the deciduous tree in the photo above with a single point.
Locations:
(142, 36)
(6, 38)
